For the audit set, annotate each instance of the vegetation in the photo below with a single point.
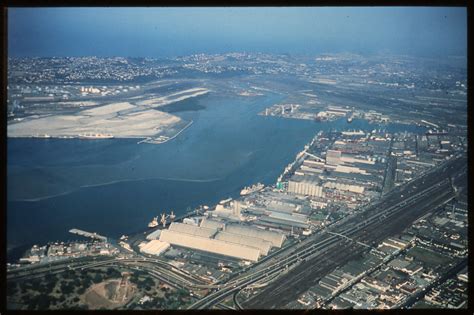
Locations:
(58, 291)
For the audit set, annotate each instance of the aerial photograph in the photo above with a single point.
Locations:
(236, 158)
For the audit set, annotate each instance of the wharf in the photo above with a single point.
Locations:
(88, 234)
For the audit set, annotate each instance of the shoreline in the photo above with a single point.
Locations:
(169, 139)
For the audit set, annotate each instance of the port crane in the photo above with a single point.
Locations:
(164, 218)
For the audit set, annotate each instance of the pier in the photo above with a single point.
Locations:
(88, 234)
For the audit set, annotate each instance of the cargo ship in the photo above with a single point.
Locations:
(251, 189)
(43, 136)
(153, 223)
(95, 136)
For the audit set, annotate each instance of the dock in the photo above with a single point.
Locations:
(88, 234)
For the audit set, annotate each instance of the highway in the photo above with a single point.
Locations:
(315, 256)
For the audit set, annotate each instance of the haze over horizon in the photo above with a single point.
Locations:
(166, 32)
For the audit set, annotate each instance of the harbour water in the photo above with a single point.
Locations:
(115, 187)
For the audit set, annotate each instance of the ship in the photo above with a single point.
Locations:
(251, 189)
(153, 223)
(349, 119)
(43, 136)
(95, 136)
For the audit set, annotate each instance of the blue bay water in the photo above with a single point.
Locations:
(115, 187)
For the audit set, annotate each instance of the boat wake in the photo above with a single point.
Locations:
(191, 180)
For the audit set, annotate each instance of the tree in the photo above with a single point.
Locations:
(97, 278)
(43, 302)
(12, 288)
(182, 292)
(81, 290)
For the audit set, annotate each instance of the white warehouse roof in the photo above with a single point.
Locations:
(210, 245)
(262, 245)
(154, 247)
(154, 235)
(212, 224)
(192, 230)
(274, 237)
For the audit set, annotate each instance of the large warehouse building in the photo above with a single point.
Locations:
(210, 245)
(301, 186)
(236, 241)
(273, 237)
(263, 245)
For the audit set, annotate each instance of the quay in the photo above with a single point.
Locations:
(88, 234)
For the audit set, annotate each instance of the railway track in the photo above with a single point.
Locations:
(288, 287)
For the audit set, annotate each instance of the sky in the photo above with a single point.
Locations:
(165, 32)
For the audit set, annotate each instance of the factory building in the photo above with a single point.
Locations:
(350, 159)
(333, 157)
(344, 187)
(282, 206)
(154, 235)
(210, 245)
(191, 221)
(349, 169)
(237, 241)
(212, 224)
(191, 229)
(153, 247)
(285, 219)
(273, 237)
(307, 188)
(263, 245)
(313, 164)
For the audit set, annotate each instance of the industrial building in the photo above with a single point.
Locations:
(210, 245)
(304, 186)
(344, 187)
(235, 241)
(191, 229)
(154, 235)
(212, 224)
(153, 247)
(284, 219)
(273, 237)
(263, 245)
(333, 157)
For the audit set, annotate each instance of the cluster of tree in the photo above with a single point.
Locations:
(112, 273)
(145, 283)
(67, 287)
(39, 302)
(141, 279)
(70, 282)
(12, 288)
